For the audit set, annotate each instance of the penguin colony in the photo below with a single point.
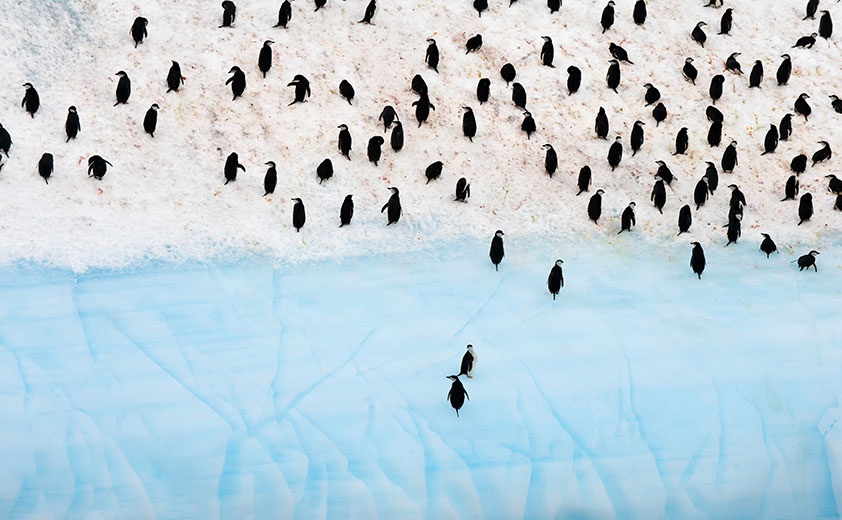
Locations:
(652, 150)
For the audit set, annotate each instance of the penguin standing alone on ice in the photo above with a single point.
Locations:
(346, 212)
(556, 279)
(469, 363)
(71, 125)
(174, 77)
(229, 13)
(496, 253)
(807, 261)
(457, 394)
(463, 190)
(150, 120)
(583, 181)
(264, 59)
(595, 206)
(97, 166)
(237, 81)
(270, 180)
(232, 164)
(627, 218)
(433, 171)
(393, 206)
(298, 215)
(124, 88)
(284, 14)
(431, 57)
(469, 124)
(805, 208)
(302, 88)
(547, 52)
(697, 259)
(685, 219)
(138, 30)
(370, 9)
(550, 160)
(45, 166)
(345, 141)
(346, 90)
(31, 101)
(768, 245)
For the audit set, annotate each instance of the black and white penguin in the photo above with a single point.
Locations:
(768, 245)
(31, 101)
(396, 139)
(150, 120)
(802, 107)
(270, 180)
(463, 190)
(798, 164)
(713, 176)
(124, 88)
(174, 77)
(729, 158)
(229, 13)
(237, 81)
(807, 261)
(659, 113)
(689, 71)
(700, 193)
(812, 6)
(685, 219)
(457, 393)
(755, 77)
(299, 217)
(615, 153)
(698, 34)
(627, 218)
(784, 70)
(431, 57)
(138, 30)
(836, 104)
(715, 89)
(770, 142)
(607, 18)
(496, 252)
(834, 184)
(555, 281)
(601, 124)
(508, 73)
(264, 58)
(583, 181)
(519, 95)
(595, 206)
(483, 90)
(732, 64)
(806, 42)
(302, 88)
(71, 124)
(737, 197)
(284, 14)
(324, 170)
(639, 12)
(822, 154)
(345, 141)
(370, 10)
(422, 109)
(373, 150)
(388, 116)
(469, 124)
(652, 94)
(785, 128)
(469, 362)
(319, 4)
(664, 172)
(5, 141)
(528, 124)
(659, 194)
(574, 79)
(791, 188)
(619, 53)
(346, 90)
(393, 205)
(346, 212)
(550, 160)
(45, 166)
(433, 171)
(682, 142)
(473, 44)
(726, 21)
(637, 136)
(612, 77)
(232, 164)
(547, 52)
(805, 208)
(825, 25)
(97, 167)
(697, 259)
(734, 228)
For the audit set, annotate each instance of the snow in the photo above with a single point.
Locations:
(171, 347)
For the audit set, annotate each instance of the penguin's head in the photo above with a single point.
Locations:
(431, 41)
(270, 163)
(234, 69)
(343, 126)
(631, 205)
(807, 196)
(765, 235)
(27, 86)
(571, 69)
(824, 143)
(733, 143)
(467, 109)
(122, 74)
(559, 262)
(639, 122)
(733, 186)
(154, 106)
(72, 109)
(831, 176)
(470, 347)
(660, 163)
(803, 96)
(296, 200)
(735, 54)
(785, 56)
(695, 244)
(547, 38)
(814, 35)
(268, 43)
(498, 233)
(647, 85)
(175, 63)
(814, 253)
(688, 60)
(453, 378)
(548, 146)
(700, 24)
(600, 191)
(394, 190)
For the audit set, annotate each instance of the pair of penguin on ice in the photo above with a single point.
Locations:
(457, 393)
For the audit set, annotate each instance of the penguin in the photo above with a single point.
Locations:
(615, 153)
(823, 153)
(806, 42)
(496, 252)
(715, 89)
(324, 170)
(685, 219)
(825, 25)
(284, 14)
(732, 65)
(469, 362)
(396, 139)
(812, 6)
(838, 204)
(607, 18)
(725, 21)
(555, 281)
(637, 136)
(550, 160)
(639, 12)
(659, 113)
(682, 142)
(784, 70)
(422, 109)
(802, 107)
(583, 181)
(71, 125)
(344, 144)
(229, 13)
(700, 193)
(755, 77)
(574, 79)
(463, 190)
(697, 259)
(595, 206)
(807, 261)
(31, 101)
(469, 124)
(547, 52)
(805, 208)
(124, 88)
(457, 393)
(373, 151)
(346, 212)
(232, 164)
(836, 104)
(319, 4)
(713, 177)
(418, 85)
(264, 59)
(834, 184)
(729, 158)
(659, 194)
(480, 6)
(619, 53)
(473, 44)
(689, 71)
(714, 114)
(483, 90)
(554, 5)
(388, 116)
(346, 90)
(698, 34)
(768, 245)
(150, 120)
(5, 141)
(737, 197)
(798, 164)
(45, 166)
(97, 166)
(237, 81)
(627, 218)
(270, 180)
(601, 124)
(791, 188)
(734, 228)
(393, 206)
(174, 77)
(433, 171)
(664, 173)
(302, 88)
(138, 30)
(508, 73)
(299, 217)
(519, 95)
(431, 57)
(770, 142)
(652, 94)
(785, 127)
(370, 9)
(612, 77)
